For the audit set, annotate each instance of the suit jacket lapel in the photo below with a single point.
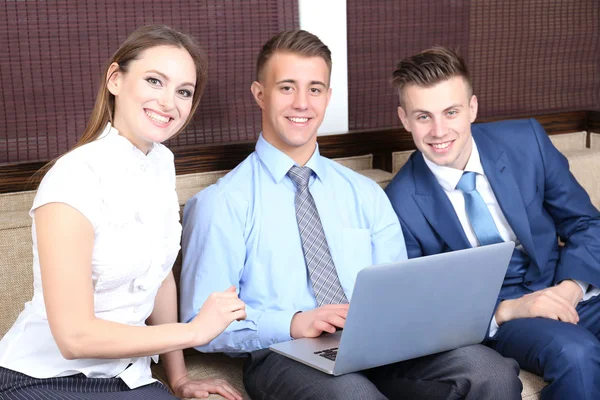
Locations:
(436, 206)
(502, 180)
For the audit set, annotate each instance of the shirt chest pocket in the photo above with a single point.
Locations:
(356, 249)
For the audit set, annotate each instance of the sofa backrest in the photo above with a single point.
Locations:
(585, 166)
(16, 276)
(595, 141)
(584, 162)
(570, 141)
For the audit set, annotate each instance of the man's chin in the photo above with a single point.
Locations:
(300, 140)
(443, 160)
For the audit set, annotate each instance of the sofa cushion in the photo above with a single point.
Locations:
(201, 366)
(18, 201)
(532, 385)
(399, 158)
(190, 184)
(356, 163)
(595, 141)
(380, 176)
(16, 272)
(569, 141)
(584, 165)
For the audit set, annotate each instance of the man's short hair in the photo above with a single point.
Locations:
(298, 42)
(429, 68)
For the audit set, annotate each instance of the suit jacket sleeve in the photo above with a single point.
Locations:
(577, 221)
(413, 248)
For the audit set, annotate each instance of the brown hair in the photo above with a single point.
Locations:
(428, 68)
(298, 42)
(140, 40)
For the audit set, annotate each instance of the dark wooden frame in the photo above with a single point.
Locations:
(381, 143)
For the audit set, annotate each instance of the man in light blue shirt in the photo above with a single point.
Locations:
(247, 230)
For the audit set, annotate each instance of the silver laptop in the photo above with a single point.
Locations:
(411, 309)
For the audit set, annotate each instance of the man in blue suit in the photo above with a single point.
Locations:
(471, 185)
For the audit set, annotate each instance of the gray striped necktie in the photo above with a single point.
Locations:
(323, 276)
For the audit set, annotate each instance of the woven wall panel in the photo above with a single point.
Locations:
(380, 33)
(51, 53)
(535, 56)
(527, 57)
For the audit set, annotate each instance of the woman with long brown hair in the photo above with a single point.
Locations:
(106, 233)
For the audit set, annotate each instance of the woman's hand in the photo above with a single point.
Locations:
(202, 388)
(218, 311)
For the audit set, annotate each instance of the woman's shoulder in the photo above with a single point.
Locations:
(87, 155)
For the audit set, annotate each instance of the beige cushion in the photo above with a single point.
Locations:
(595, 141)
(356, 163)
(380, 176)
(19, 201)
(399, 158)
(201, 366)
(16, 271)
(218, 365)
(190, 184)
(569, 141)
(585, 166)
(532, 385)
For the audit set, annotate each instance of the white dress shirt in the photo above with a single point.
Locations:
(448, 178)
(130, 200)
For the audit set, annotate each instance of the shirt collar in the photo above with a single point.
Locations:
(111, 133)
(448, 177)
(278, 163)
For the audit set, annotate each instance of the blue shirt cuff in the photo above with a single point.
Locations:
(274, 327)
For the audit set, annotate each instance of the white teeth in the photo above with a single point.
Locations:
(440, 145)
(157, 118)
(298, 120)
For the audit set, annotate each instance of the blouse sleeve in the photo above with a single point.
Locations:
(73, 182)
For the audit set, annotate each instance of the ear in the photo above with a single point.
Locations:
(329, 92)
(473, 105)
(403, 118)
(258, 92)
(113, 79)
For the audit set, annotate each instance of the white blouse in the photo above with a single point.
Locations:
(131, 202)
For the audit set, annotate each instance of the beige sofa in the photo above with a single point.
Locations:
(16, 258)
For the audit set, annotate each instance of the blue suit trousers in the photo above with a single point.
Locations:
(567, 356)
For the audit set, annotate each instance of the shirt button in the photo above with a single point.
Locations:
(135, 309)
(141, 287)
(143, 167)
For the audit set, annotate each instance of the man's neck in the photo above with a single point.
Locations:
(300, 154)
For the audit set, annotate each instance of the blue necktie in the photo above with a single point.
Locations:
(478, 212)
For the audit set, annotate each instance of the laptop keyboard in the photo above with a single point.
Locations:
(329, 354)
